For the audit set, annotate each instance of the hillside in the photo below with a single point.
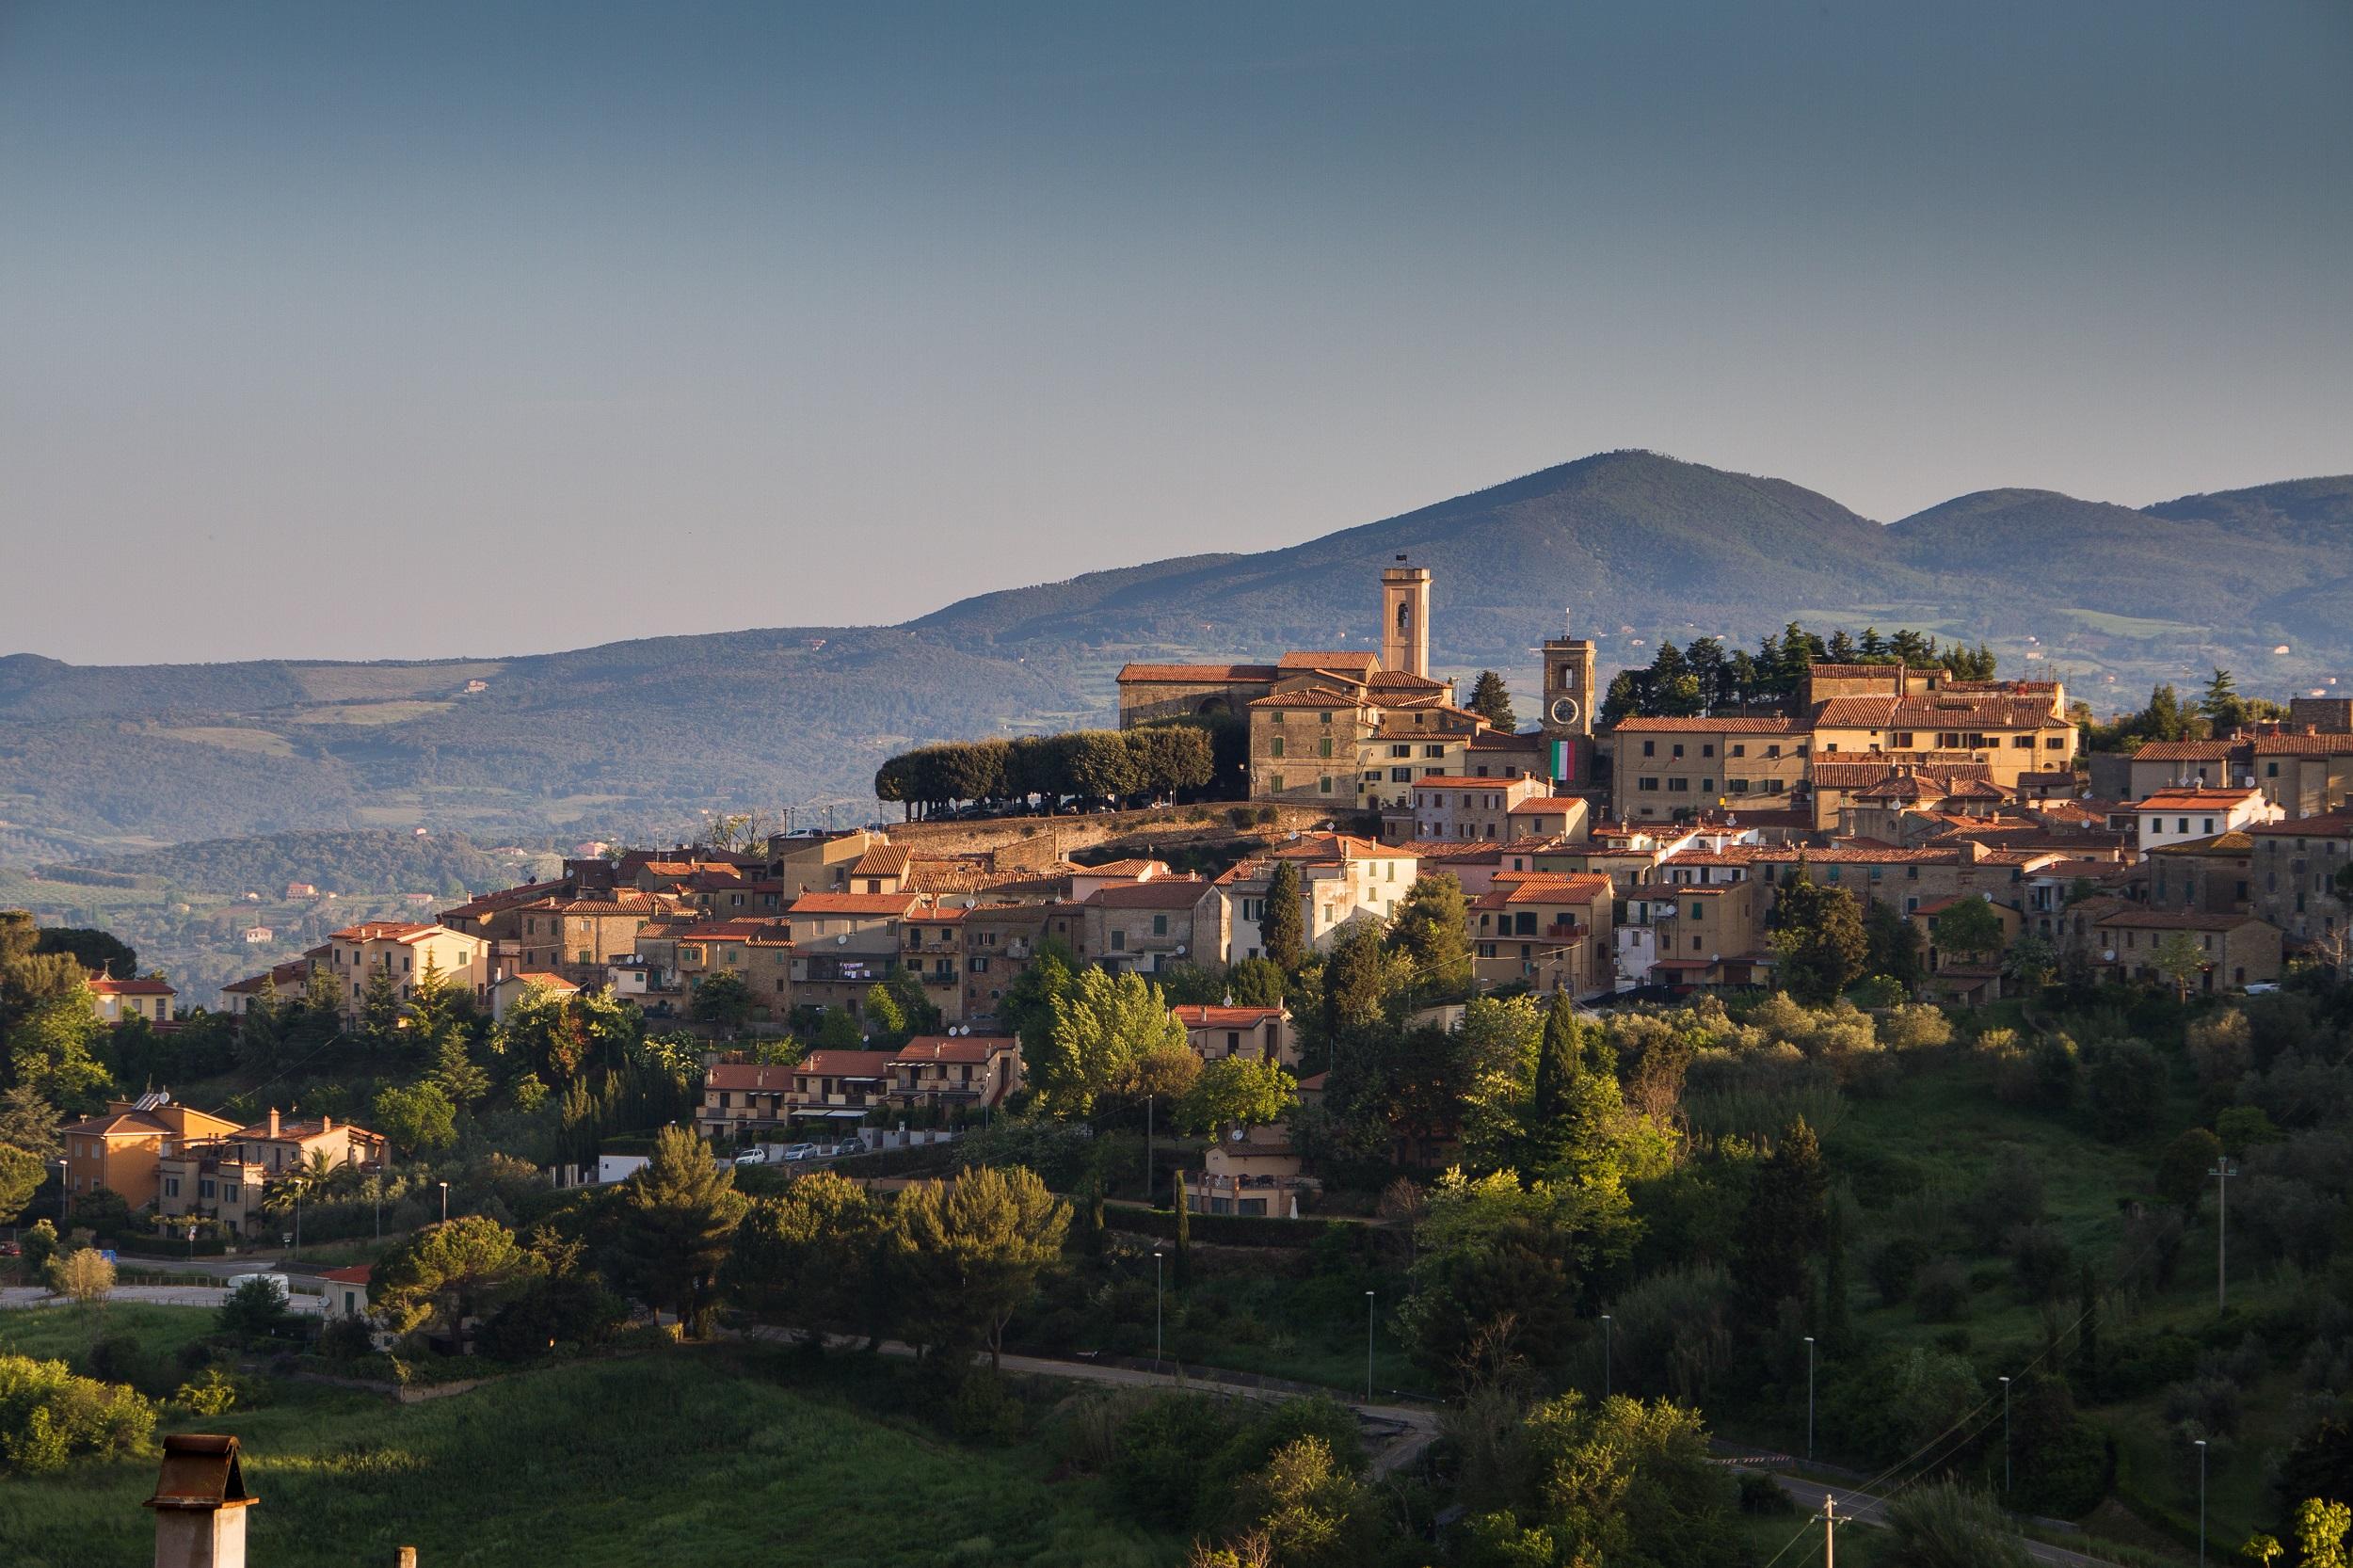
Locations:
(624, 738)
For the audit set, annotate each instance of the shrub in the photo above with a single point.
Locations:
(985, 1411)
(1160, 1451)
(1941, 1292)
(1942, 1525)
(119, 1358)
(256, 1310)
(2139, 1363)
(345, 1340)
(2205, 1406)
(1762, 1495)
(1896, 1400)
(1895, 1265)
(48, 1415)
(2011, 1195)
(2041, 1261)
(2124, 1086)
(214, 1393)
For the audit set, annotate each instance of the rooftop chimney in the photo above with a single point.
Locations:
(327, 1123)
(199, 1503)
(273, 1121)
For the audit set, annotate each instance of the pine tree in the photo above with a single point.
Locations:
(677, 1216)
(1280, 933)
(1781, 1230)
(1182, 1263)
(1492, 700)
(1838, 1289)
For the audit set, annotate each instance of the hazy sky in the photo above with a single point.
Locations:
(410, 329)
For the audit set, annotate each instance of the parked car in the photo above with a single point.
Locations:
(800, 1151)
(752, 1157)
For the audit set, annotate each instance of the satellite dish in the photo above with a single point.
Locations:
(1180, 950)
(842, 941)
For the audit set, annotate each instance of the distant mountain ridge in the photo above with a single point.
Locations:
(1630, 545)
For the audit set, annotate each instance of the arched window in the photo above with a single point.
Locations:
(1404, 615)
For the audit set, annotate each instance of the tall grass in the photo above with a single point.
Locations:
(685, 1457)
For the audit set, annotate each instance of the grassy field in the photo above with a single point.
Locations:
(699, 1456)
(66, 1332)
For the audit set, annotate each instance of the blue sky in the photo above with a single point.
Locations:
(427, 330)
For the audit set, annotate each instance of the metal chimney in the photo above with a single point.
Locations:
(199, 1503)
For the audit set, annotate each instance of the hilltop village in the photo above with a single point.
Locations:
(1325, 1023)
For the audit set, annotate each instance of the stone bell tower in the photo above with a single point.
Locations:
(1569, 695)
(1405, 619)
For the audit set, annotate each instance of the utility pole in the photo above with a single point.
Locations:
(1156, 1309)
(1605, 1355)
(1367, 1347)
(1148, 1154)
(2222, 1172)
(1830, 1531)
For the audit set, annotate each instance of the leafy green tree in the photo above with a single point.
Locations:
(2182, 1170)
(2181, 960)
(721, 999)
(1781, 1230)
(1307, 1508)
(29, 1123)
(542, 1036)
(83, 1276)
(1236, 1090)
(812, 1258)
(49, 1417)
(1357, 986)
(1619, 1483)
(21, 1176)
(1969, 929)
(381, 1016)
(418, 1118)
(257, 1309)
(443, 1273)
(1576, 1106)
(971, 1251)
(2031, 961)
(1499, 1041)
(677, 1216)
(1105, 1027)
(1255, 983)
(1893, 946)
(2222, 704)
(1282, 935)
(54, 1049)
(1818, 937)
(1431, 930)
(1492, 700)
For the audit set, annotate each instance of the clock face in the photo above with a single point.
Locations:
(1564, 710)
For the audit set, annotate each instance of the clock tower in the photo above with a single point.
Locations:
(1569, 695)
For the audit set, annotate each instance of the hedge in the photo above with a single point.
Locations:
(1224, 1230)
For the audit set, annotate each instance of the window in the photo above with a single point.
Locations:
(1325, 784)
(1737, 786)
(1707, 749)
(1119, 941)
(1678, 751)
(1274, 748)
(1435, 751)
(1650, 749)
(1899, 738)
(1323, 746)
(1159, 925)
(1646, 783)
(1400, 775)
(2022, 743)
(1739, 751)
(1274, 783)
(1678, 786)
(205, 1190)
(1324, 718)
(1401, 751)
(2271, 770)
(171, 1187)
(1772, 751)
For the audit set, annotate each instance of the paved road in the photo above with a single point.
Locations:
(1408, 1429)
(160, 1295)
(1872, 1509)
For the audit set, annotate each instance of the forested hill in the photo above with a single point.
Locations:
(448, 866)
(1628, 545)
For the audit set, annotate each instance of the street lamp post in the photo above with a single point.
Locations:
(2006, 1437)
(445, 1203)
(1156, 1309)
(2222, 1173)
(1605, 1355)
(2201, 1502)
(1809, 1399)
(1367, 1347)
(62, 1194)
